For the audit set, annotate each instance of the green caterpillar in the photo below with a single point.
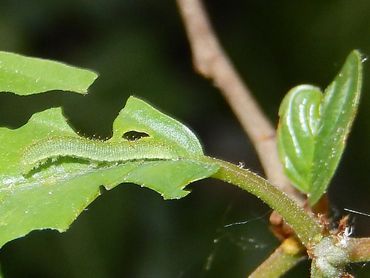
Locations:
(93, 150)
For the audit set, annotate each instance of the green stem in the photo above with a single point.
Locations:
(285, 257)
(303, 223)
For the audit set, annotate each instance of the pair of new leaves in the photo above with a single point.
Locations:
(312, 132)
(314, 126)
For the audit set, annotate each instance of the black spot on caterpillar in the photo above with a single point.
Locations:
(93, 150)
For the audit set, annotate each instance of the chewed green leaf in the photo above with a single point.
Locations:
(313, 128)
(68, 169)
(55, 197)
(141, 117)
(23, 75)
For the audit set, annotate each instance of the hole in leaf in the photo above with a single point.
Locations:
(102, 189)
(134, 135)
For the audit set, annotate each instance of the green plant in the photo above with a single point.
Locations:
(49, 173)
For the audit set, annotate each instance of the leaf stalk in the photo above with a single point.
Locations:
(306, 226)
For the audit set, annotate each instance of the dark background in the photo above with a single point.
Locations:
(140, 48)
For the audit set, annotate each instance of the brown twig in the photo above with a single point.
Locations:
(212, 62)
(359, 249)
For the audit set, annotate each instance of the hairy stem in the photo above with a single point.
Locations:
(212, 62)
(286, 256)
(303, 223)
(359, 249)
